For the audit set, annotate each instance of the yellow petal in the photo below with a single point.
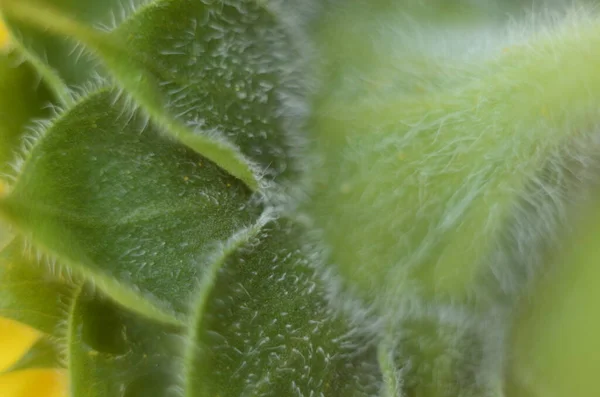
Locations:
(15, 340)
(34, 383)
(3, 35)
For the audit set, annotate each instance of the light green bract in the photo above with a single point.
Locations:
(273, 198)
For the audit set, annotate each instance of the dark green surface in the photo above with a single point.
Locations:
(113, 352)
(263, 328)
(111, 198)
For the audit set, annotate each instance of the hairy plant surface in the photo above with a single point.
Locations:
(273, 198)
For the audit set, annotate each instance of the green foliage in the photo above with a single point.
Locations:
(111, 197)
(263, 328)
(114, 352)
(297, 198)
(18, 110)
(30, 293)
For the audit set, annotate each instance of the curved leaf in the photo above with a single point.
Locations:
(113, 352)
(23, 98)
(421, 182)
(228, 68)
(29, 293)
(263, 328)
(105, 193)
(220, 76)
(62, 56)
(416, 187)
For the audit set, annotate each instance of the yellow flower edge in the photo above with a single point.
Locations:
(15, 340)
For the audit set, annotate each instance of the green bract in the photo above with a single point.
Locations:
(272, 198)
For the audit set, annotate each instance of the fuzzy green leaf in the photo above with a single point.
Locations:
(263, 328)
(29, 293)
(105, 193)
(217, 75)
(23, 99)
(59, 55)
(224, 68)
(43, 354)
(113, 352)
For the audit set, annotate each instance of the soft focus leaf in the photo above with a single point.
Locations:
(263, 328)
(113, 352)
(114, 200)
(29, 293)
(555, 343)
(421, 181)
(5, 235)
